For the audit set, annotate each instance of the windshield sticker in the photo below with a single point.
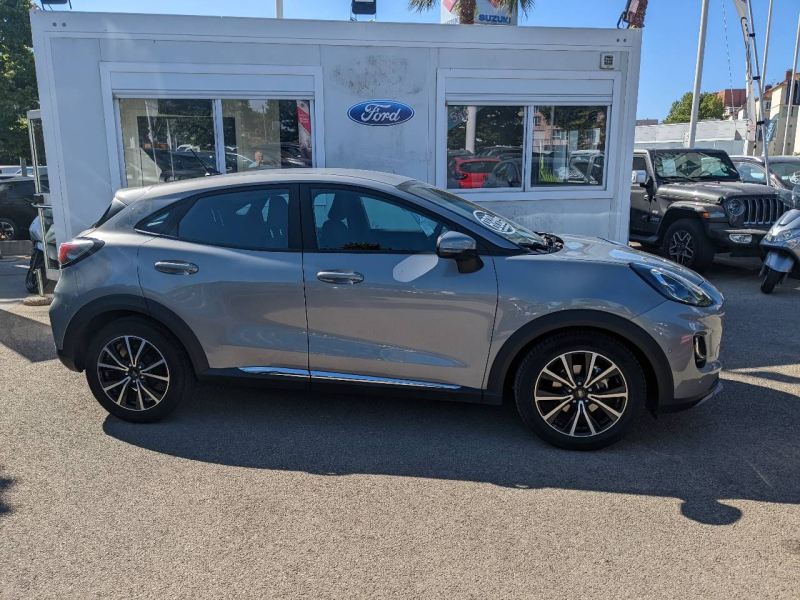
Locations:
(795, 178)
(493, 222)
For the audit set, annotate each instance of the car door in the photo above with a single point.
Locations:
(641, 221)
(382, 307)
(229, 264)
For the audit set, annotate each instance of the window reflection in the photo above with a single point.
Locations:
(568, 145)
(167, 140)
(266, 134)
(484, 146)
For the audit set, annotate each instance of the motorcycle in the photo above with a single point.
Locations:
(782, 244)
(37, 259)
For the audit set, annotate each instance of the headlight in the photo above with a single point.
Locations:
(672, 286)
(735, 207)
(783, 235)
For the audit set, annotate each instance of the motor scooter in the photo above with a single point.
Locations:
(782, 244)
(37, 258)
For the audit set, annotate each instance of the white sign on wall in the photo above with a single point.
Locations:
(488, 12)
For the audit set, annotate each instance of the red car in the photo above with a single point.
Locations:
(471, 172)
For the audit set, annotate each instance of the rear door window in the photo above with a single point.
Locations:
(253, 220)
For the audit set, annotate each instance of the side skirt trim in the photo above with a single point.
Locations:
(346, 377)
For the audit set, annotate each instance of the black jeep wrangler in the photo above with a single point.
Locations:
(691, 204)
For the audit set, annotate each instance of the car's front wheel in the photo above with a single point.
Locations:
(137, 370)
(686, 243)
(9, 230)
(580, 390)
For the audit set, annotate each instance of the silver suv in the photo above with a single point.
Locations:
(378, 284)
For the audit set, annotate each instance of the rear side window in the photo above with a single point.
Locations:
(639, 163)
(254, 220)
(113, 209)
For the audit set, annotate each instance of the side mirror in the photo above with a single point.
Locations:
(639, 177)
(452, 244)
(461, 248)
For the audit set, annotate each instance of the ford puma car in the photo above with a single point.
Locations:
(378, 284)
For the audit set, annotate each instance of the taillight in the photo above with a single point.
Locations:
(75, 250)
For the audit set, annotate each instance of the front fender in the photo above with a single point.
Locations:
(780, 261)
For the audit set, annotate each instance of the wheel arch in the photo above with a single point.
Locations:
(102, 311)
(677, 213)
(651, 357)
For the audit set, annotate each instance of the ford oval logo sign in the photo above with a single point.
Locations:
(380, 113)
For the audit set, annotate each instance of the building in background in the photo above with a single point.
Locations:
(646, 122)
(725, 135)
(734, 100)
(776, 105)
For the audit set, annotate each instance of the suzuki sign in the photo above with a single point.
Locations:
(488, 12)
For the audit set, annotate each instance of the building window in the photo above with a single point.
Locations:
(485, 146)
(568, 146)
(170, 140)
(167, 140)
(266, 134)
(481, 140)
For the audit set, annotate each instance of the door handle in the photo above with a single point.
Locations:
(348, 277)
(176, 267)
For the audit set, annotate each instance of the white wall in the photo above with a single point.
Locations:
(86, 60)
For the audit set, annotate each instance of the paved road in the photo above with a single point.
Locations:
(247, 493)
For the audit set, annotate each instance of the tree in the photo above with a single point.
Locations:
(711, 107)
(18, 92)
(467, 8)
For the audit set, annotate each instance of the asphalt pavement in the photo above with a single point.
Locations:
(250, 493)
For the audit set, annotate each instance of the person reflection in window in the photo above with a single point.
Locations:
(258, 161)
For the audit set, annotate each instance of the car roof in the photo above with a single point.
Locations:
(200, 184)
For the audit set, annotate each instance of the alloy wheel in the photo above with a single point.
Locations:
(581, 394)
(133, 373)
(7, 231)
(681, 247)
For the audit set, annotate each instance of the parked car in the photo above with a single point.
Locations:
(784, 171)
(692, 204)
(376, 283)
(588, 164)
(469, 173)
(16, 207)
(501, 152)
(507, 173)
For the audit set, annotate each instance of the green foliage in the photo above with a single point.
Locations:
(18, 93)
(467, 8)
(711, 107)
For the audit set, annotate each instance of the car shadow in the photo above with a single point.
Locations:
(27, 337)
(740, 445)
(5, 483)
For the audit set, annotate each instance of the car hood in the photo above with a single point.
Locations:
(712, 192)
(598, 250)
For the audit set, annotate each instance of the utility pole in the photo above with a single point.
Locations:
(791, 89)
(698, 72)
(279, 8)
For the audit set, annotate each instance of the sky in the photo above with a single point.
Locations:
(669, 48)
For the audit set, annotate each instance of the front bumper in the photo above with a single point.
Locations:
(677, 328)
(734, 238)
(685, 404)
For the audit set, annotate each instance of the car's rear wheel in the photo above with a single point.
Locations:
(580, 390)
(137, 370)
(686, 243)
(9, 230)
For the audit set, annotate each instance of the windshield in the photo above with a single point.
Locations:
(483, 217)
(694, 165)
(787, 172)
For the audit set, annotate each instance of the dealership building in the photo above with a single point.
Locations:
(535, 123)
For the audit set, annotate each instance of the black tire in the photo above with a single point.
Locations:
(31, 284)
(9, 230)
(770, 280)
(608, 429)
(177, 368)
(689, 237)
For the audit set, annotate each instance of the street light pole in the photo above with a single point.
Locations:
(279, 8)
(766, 49)
(698, 73)
(791, 89)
